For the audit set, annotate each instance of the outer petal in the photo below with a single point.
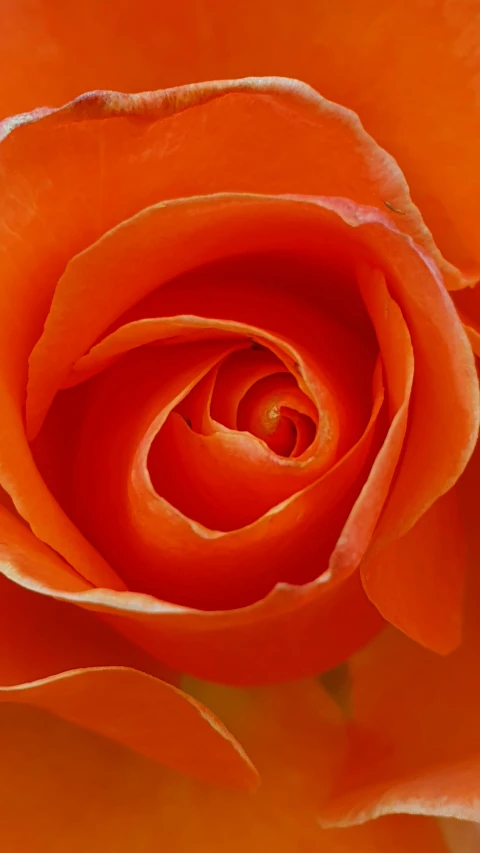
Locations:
(417, 582)
(223, 645)
(149, 716)
(41, 638)
(415, 732)
(409, 68)
(101, 690)
(62, 789)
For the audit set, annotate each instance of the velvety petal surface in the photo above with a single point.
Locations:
(418, 582)
(60, 658)
(97, 133)
(220, 644)
(409, 69)
(406, 271)
(294, 734)
(414, 715)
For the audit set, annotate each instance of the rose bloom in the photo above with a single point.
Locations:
(240, 603)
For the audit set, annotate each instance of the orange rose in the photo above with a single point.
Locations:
(236, 400)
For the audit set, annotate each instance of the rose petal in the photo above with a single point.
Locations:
(195, 473)
(79, 222)
(155, 547)
(432, 321)
(42, 637)
(149, 716)
(437, 340)
(417, 582)
(102, 692)
(49, 768)
(120, 395)
(398, 362)
(412, 85)
(333, 367)
(298, 632)
(416, 739)
(224, 230)
(252, 108)
(232, 381)
(449, 790)
(76, 142)
(312, 129)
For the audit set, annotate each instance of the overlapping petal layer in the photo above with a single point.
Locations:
(150, 413)
(294, 735)
(293, 564)
(409, 69)
(59, 658)
(415, 735)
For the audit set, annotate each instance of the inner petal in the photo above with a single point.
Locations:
(235, 377)
(154, 543)
(123, 499)
(223, 481)
(266, 411)
(194, 459)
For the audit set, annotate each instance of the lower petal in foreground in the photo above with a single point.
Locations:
(80, 792)
(415, 737)
(61, 659)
